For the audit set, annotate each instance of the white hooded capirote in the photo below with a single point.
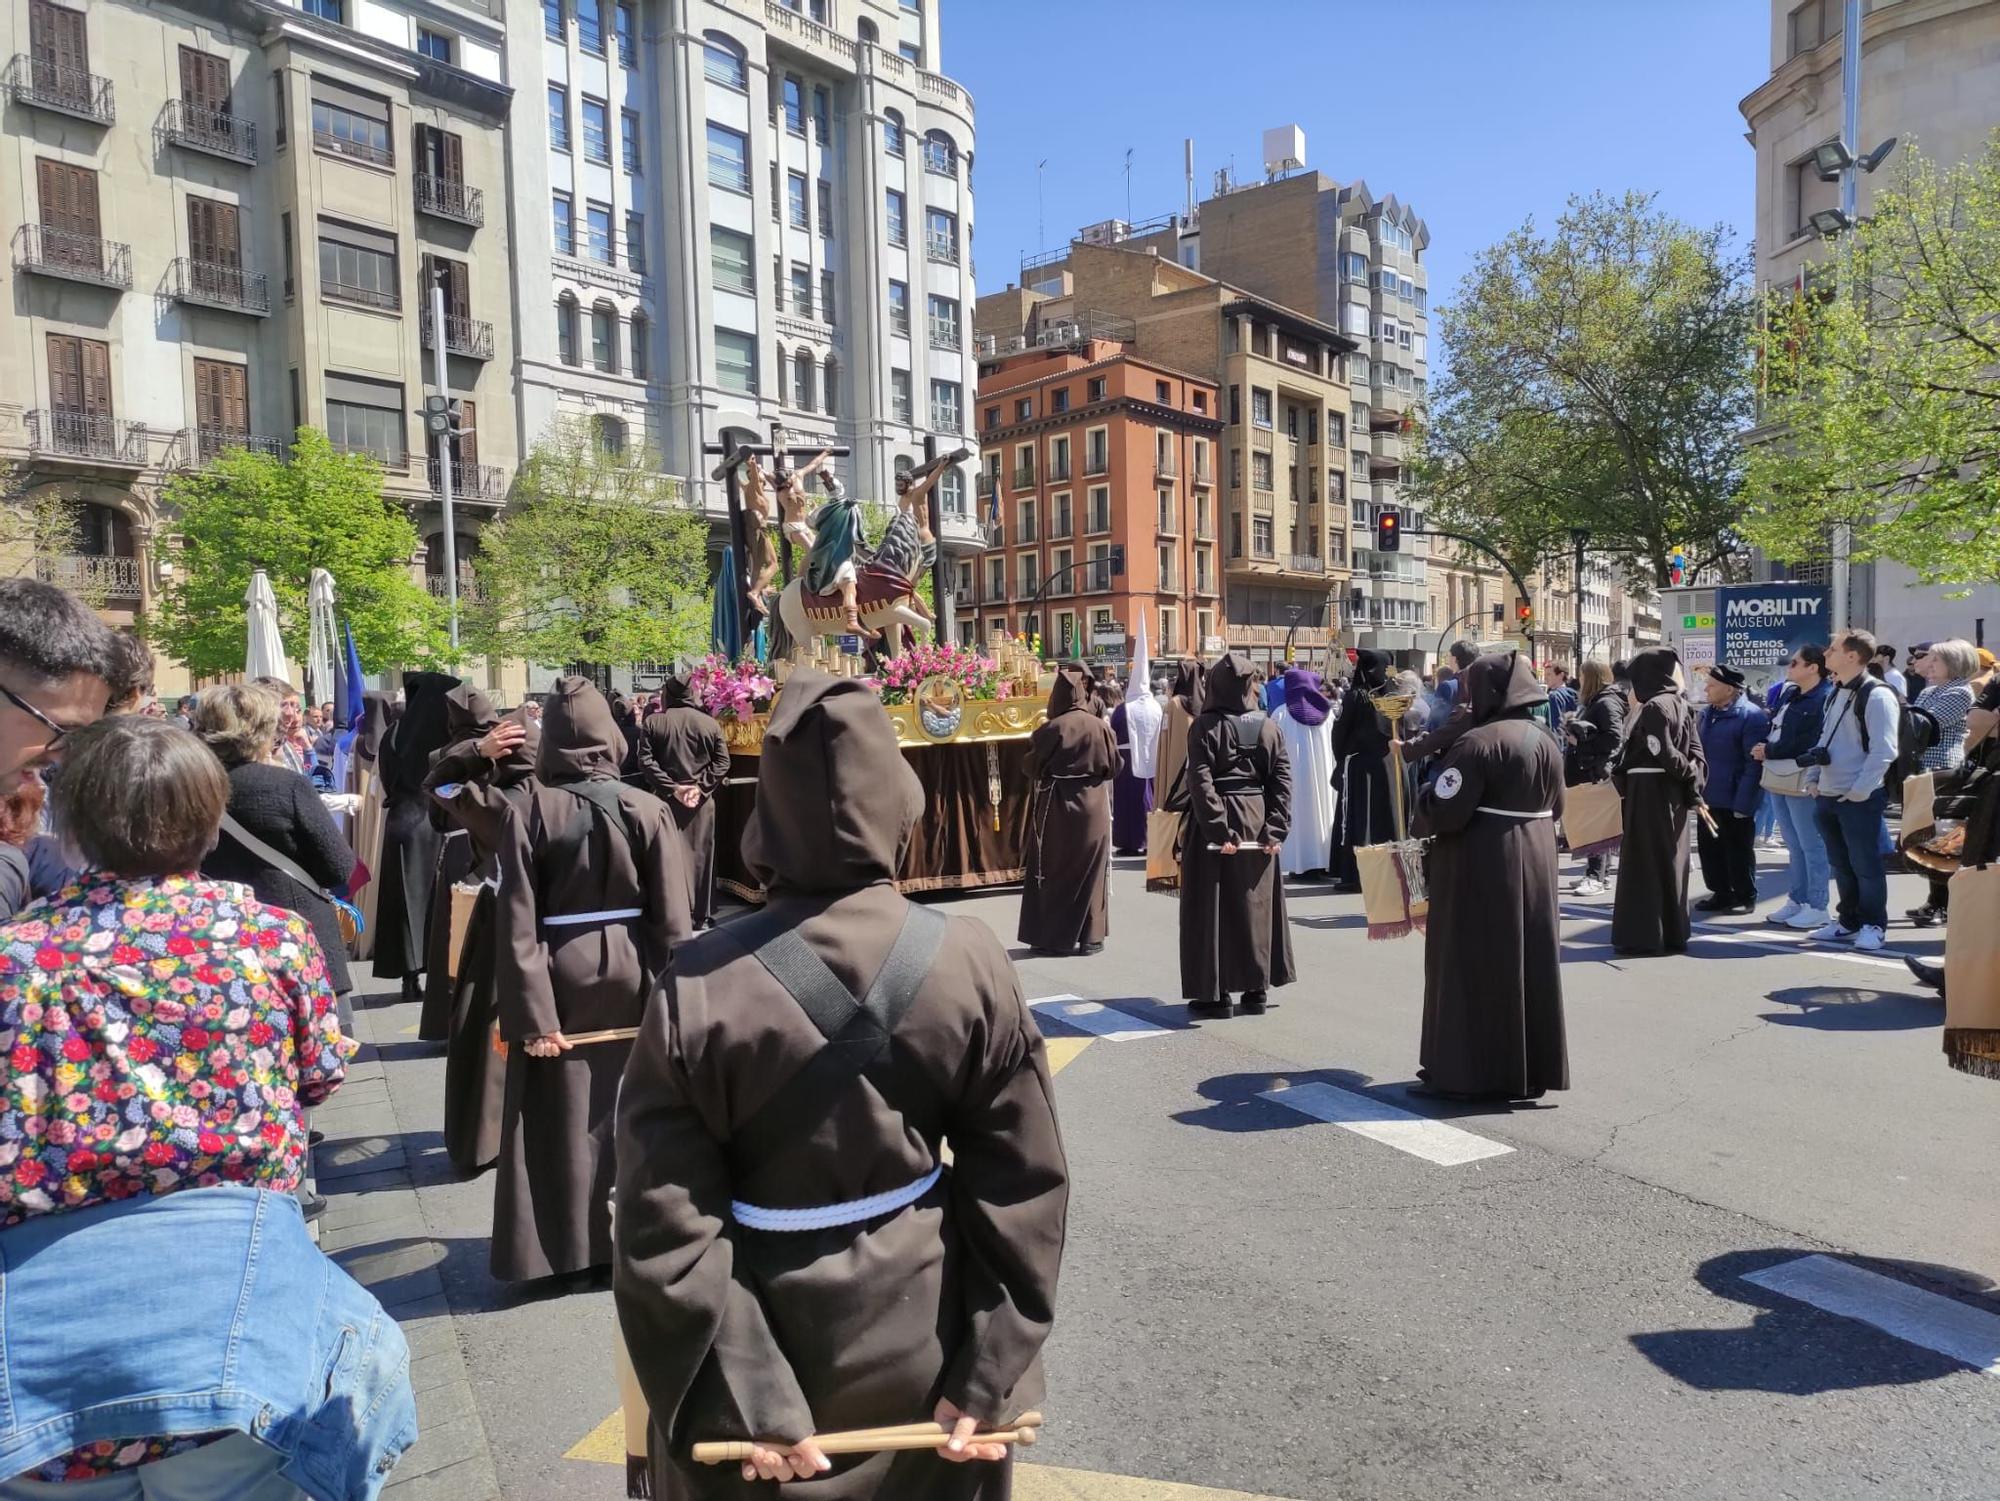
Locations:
(1143, 714)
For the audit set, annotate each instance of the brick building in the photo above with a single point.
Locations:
(1281, 419)
(1089, 451)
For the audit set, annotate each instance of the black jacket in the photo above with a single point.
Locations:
(282, 808)
(1600, 731)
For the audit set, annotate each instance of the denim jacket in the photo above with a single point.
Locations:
(193, 1312)
(1800, 717)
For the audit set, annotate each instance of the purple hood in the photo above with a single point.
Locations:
(1305, 696)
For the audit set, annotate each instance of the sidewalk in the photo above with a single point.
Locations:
(374, 1226)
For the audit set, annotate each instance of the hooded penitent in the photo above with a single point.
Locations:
(1070, 759)
(1233, 933)
(1303, 719)
(468, 715)
(1142, 724)
(1305, 696)
(409, 839)
(378, 713)
(580, 739)
(1493, 1023)
(1365, 813)
(1659, 774)
(836, 801)
(682, 746)
(1371, 669)
(733, 1095)
(1190, 685)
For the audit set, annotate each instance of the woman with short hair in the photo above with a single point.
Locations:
(281, 810)
(145, 981)
(1592, 737)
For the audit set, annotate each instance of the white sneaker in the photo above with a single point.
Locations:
(1589, 886)
(1790, 910)
(1832, 932)
(1870, 937)
(1807, 917)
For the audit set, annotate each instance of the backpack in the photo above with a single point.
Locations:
(1917, 730)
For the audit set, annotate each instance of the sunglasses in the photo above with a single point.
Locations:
(56, 731)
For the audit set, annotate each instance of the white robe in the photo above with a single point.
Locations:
(1308, 845)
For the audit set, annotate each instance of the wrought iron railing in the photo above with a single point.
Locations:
(468, 481)
(202, 127)
(115, 578)
(45, 251)
(213, 284)
(448, 198)
(204, 444)
(43, 84)
(63, 433)
(471, 337)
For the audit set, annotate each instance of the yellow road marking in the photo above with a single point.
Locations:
(1063, 1051)
(604, 1444)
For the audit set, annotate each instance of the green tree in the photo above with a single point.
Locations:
(36, 529)
(595, 560)
(1883, 400)
(1596, 377)
(318, 508)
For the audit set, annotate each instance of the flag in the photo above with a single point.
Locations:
(347, 686)
(725, 620)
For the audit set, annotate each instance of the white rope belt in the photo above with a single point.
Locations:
(829, 1216)
(1645, 771)
(575, 919)
(1513, 813)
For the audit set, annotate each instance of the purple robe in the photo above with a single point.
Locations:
(1131, 796)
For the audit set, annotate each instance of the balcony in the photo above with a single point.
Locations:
(1204, 476)
(1025, 532)
(203, 445)
(1096, 523)
(468, 586)
(390, 301)
(1204, 585)
(1096, 463)
(90, 436)
(360, 151)
(202, 127)
(475, 482)
(1166, 466)
(805, 35)
(1024, 477)
(1305, 562)
(41, 84)
(471, 337)
(91, 576)
(942, 249)
(945, 334)
(1170, 524)
(1387, 445)
(209, 284)
(42, 251)
(448, 198)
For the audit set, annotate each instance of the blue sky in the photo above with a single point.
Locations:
(1479, 112)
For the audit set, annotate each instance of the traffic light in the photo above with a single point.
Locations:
(1499, 613)
(1118, 560)
(1524, 613)
(1388, 531)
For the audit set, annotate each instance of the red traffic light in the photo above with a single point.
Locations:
(1388, 531)
(1523, 611)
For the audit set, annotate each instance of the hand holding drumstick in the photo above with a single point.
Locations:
(955, 1436)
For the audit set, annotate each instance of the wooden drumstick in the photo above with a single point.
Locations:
(903, 1430)
(734, 1451)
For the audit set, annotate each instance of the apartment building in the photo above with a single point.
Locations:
(735, 213)
(1286, 442)
(1930, 73)
(1090, 453)
(227, 217)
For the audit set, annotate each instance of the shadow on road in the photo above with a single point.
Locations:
(1796, 1349)
(1845, 1008)
(1235, 1106)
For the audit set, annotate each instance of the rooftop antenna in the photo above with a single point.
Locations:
(1041, 215)
(1128, 185)
(1187, 162)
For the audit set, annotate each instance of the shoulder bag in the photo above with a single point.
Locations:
(344, 911)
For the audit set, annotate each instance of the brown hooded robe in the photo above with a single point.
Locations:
(562, 855)
(1660, 773)
(1493, 1016)
(477, 794)
(740, 1333)
(682, 746)
(468, 715)
(1066, 895)
(1234, 934)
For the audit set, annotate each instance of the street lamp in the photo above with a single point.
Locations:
(1831, 158)
(1830, 221)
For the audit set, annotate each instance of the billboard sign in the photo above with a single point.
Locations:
(1759, 626)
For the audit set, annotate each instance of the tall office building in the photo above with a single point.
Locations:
(731, 213)
(225, 214)
(1930, 76)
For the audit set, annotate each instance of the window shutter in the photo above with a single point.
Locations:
(454, 157)
(468, 446)
(52, 181)
(65, 373)
(83, 201)
(56, 36)
(232, 389)
(426, 161)
(457, 289)
(228, 238)
(201, 231)
(96, 377)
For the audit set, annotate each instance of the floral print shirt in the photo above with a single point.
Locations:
(159, 1034)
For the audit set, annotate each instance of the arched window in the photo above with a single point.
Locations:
(867, 31)
(566, 346)
(642, 356)
(940, 154)
(892, 133)
(608, 433)
(604, 337)
(830, 387)
(723, 62)
(802, 380)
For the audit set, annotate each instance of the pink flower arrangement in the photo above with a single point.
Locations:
(978, 676)
(731, 690)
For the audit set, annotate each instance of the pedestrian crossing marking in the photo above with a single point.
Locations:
(1063, 1051)
(1096, 1018)
(1896, 1308)
(605, 1444)
(1766, 938)
(1364, 1115)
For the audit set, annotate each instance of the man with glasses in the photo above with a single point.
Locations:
(57, 665)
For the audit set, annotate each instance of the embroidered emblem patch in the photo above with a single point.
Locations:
(1449, 781)
(1653, 744)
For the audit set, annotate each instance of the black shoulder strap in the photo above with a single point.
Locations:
(857, 1032)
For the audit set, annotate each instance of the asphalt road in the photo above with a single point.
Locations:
(1261, 1301)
